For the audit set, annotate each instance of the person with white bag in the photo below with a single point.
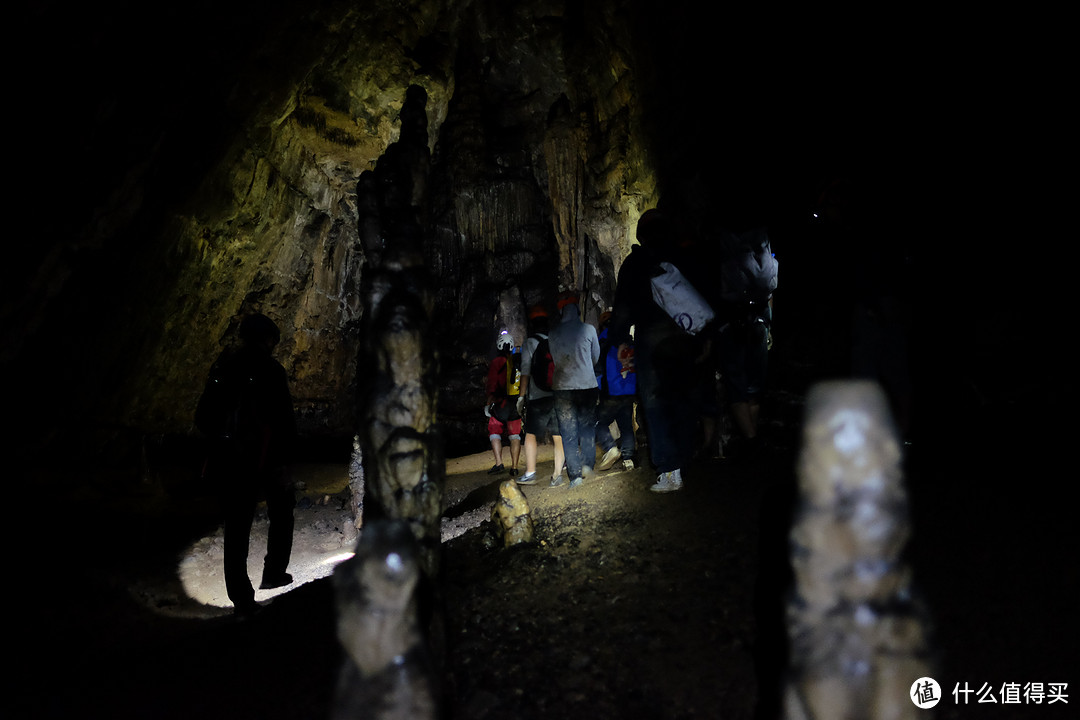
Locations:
(665, 345)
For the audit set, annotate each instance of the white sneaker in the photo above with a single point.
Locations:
(668, 482)
(609, 459)
(628, 464)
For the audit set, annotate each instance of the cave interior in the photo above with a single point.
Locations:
(188, 164)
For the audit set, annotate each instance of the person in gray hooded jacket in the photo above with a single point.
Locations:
(575, 348)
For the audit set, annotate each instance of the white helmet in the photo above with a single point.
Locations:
(505, 342)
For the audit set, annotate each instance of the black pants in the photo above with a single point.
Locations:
(241, 494)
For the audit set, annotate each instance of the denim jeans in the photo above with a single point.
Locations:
(620, 410)
(576, 413)
(666, 383)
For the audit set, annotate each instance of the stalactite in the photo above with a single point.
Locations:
(563, 155)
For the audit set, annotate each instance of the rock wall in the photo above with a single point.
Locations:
(539, 170)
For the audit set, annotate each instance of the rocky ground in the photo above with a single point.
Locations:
(628, 604)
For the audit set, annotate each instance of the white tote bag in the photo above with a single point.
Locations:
(680, 299)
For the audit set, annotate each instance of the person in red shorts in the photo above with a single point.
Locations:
(503, 380)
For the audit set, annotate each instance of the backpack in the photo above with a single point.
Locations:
(680, 299)
(513, 376)
(543, 366)
(229, 405)
(748, 273)
(218, 413)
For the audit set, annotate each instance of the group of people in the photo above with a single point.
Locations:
(734, 274)
(569, 380)
(564, 391)
(640, 354)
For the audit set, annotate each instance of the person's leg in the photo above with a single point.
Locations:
(737, 383)
(624, 420)
(757, 363)
(606, 413)
(515, 451)
(585, 402)
(280, 502)
(559, 456)
(239, 505)
(495, 431)
(531, 450)
(744, 376)
(654, 410)
(566, 416)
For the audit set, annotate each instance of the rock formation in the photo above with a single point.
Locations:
(539, 166)
(858, 638)
(511, 515)
(399, 437)
(386, 671)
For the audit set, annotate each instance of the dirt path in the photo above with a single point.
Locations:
(628, 604)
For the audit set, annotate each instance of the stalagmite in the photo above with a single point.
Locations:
(387, 671)
(857, 637)
(356, 489)
(399, 442)
(512, 514)
(388, 599)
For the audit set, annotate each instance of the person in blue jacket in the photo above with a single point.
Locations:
(618, 387)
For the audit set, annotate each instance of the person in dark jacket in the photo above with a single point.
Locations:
(664, 354)
(247, 414)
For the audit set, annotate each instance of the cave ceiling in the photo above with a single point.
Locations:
(211, 158)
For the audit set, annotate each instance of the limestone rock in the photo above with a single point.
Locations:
(512, 515)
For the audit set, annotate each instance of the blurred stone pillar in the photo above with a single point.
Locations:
(403, 464)
(388, 595)
(857, 636)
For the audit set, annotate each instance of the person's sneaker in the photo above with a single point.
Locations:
(556, 481)
(609, 459)
(668, 482)
(269, 582)
(627, 464)
(527, 479)
(513, 472)
(576, 482)
(495, 469)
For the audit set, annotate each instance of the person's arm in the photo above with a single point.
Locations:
(623, 307)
